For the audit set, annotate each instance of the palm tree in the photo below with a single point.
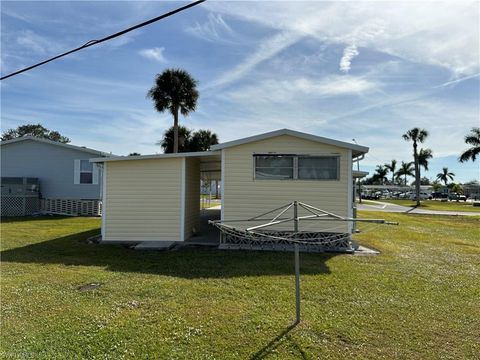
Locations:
(201, 140)
(380, 174)
(168, 141)
(416, 135)
(423, 156)
(471, 139)
(445, 175)
(436, 186)
(174, 90)
(188, 140)
(391, 167)
(405, 170)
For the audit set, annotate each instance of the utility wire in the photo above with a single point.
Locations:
(95, 42)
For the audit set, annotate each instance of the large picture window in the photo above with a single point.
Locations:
(297, 167)
(274, 167)
(318, 167)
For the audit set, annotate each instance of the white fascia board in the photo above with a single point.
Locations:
(357, 148)
(156, 156)
(222, 194)
(104, 201)
(349, 190)
(183, 184)
(56, 143)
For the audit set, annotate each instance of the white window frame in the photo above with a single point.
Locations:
(77, 171)
(295, 166)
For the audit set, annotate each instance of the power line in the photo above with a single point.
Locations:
(95, 42)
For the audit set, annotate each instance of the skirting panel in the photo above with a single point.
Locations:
(71, 207)
(18, 205)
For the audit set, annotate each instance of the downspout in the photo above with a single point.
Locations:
(357, 160)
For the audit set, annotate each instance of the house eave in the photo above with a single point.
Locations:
(55, 143)
(356, 149)
(156, 156)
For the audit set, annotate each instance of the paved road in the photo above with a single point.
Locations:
(387, 207)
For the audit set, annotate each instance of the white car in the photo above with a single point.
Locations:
(423, 196)
(404, 195)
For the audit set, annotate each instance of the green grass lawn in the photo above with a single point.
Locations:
(213, 201)
(419, 299)
(435, 204)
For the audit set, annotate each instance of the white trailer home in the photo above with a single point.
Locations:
(157, 197)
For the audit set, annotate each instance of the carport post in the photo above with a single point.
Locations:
(297, 265)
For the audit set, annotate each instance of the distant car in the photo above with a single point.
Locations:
(439, 195)
(405, 195)
(396, 194)
(423, 196)
(456, 197)
(371, 196)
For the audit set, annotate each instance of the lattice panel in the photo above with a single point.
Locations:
(72, 207)
(32, 205)
(19, 205)
(309, 241)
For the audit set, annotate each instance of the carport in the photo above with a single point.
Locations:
(156, 197)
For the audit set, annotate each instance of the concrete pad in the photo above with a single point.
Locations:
(155, 245)
(363, 251)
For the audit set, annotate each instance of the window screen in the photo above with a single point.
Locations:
(86, 172)
(318, 168)
(86, 166)
(86, 178)
(296, 167)
(274, 167)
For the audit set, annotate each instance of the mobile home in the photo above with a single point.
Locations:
(156, 197)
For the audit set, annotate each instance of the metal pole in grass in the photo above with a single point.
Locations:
(297, 264)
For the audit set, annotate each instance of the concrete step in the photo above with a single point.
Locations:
(155, 245)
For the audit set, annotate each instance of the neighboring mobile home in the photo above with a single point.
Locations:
(156, 197)
(68, 182)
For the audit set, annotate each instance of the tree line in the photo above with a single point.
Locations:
(420, 161)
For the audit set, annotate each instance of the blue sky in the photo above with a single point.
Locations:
(363, 70)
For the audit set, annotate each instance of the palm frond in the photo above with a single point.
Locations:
(470, 154)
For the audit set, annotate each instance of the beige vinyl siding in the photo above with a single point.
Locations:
(143, 200)
(192, 195)
(245, 197)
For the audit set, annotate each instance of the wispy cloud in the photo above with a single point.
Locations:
(346, 61)
(278, 91)
(425, 32)
(36, 43)
(266, 50)
(215, 29)
(344, 85)
(456, 81)
(155, 54)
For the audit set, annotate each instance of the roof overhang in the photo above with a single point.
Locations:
(359, 174)
(357, 150)
(157, 156)
(56, 143)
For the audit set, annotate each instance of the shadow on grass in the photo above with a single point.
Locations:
(72, 250)
(276, 342)
(13, 219)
